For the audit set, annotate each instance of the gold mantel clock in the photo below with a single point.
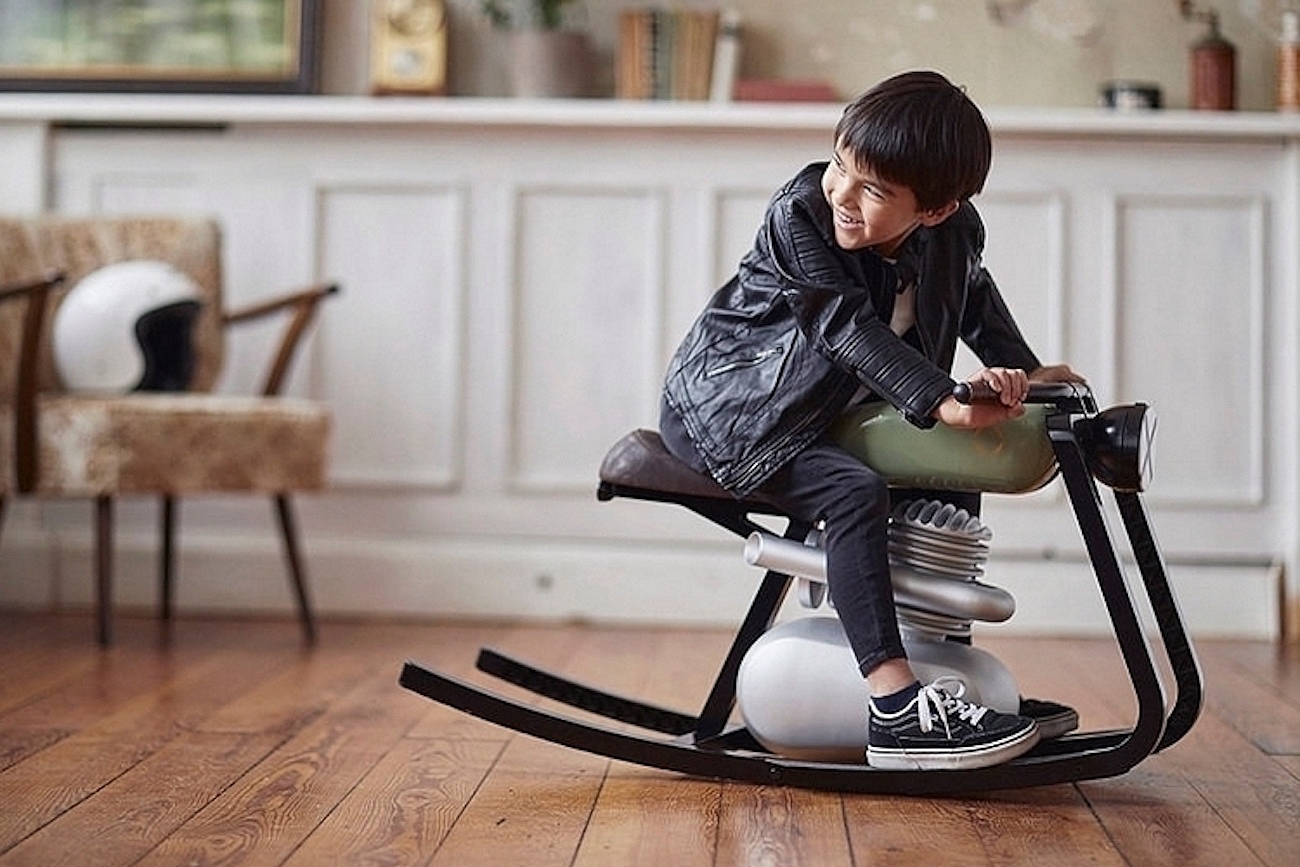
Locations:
(408, 47)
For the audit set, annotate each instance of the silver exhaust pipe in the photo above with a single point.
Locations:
(952, 597)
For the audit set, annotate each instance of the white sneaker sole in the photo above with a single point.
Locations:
(948, 759)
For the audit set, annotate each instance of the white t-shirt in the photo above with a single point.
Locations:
(904, 316)
(900, 321)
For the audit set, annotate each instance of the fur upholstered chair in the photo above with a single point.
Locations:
(99, 447)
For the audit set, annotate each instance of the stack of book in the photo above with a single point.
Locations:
(672, 54)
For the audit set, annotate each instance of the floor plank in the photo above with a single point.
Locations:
(226, 741)
(645, 817)
(142, 807)
(139, 720)
(1264, 813)
(1291, 763)
(538, 797)
(402, 810)
(537, 801)
(1265, 709)
(781, 826)
(36, 672)
(909, 831)
(1155, 816)
(270, 810)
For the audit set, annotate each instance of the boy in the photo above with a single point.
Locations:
(865, 273)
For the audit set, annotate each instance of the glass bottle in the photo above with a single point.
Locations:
(1288, 63)
(1214, 70)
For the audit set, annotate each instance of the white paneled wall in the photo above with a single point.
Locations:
(515, 275)
(1208, 252)
(405, 350)
(587, 296)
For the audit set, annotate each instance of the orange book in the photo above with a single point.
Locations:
(633, 79)
(783, 90)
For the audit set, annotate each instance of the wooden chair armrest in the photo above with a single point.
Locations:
(303, 304)
(37, 292)
(37, 285)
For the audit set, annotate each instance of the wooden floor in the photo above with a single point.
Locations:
(226, 742)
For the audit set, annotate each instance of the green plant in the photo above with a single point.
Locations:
(521, 14)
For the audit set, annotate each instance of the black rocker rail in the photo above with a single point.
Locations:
(1110, 447)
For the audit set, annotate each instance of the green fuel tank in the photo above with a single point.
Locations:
(1014, 457)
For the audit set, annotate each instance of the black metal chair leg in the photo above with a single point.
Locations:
(289, 531)
(167, 557)
(104, 568)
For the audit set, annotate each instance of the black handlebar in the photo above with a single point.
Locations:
(1039, 392)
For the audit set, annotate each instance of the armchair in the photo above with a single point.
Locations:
(168, 445)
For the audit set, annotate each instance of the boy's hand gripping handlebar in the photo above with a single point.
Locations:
(1039, 392)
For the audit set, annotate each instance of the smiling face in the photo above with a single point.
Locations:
(871, 212)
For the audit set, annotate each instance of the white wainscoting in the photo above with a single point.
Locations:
(515, 276)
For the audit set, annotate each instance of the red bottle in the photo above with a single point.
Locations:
(1214, 71)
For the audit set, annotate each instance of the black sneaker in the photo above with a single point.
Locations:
(1054, 719)
(939, 731)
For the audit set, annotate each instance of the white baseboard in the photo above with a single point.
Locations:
(556, 580)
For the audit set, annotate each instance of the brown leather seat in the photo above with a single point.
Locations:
(640, 460)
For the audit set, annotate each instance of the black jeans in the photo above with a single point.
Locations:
(826, 483)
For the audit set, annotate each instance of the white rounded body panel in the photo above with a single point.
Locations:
(800, 693)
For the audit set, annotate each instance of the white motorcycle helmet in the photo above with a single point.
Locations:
(127, 327)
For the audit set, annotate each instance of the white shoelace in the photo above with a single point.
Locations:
(943, 697)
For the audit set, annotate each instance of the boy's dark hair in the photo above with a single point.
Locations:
(920, 130)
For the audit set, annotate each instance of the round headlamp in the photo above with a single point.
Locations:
(1117, 444)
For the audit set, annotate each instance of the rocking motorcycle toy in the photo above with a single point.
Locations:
(802, 703)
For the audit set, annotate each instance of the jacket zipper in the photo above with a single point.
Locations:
(744, 362)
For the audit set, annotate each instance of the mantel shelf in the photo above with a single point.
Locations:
(159, 109)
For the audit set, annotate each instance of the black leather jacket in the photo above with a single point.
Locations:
(784, 346)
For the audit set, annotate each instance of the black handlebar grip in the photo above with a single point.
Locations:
(974, 392)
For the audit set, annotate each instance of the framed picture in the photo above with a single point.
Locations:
(185, 46)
